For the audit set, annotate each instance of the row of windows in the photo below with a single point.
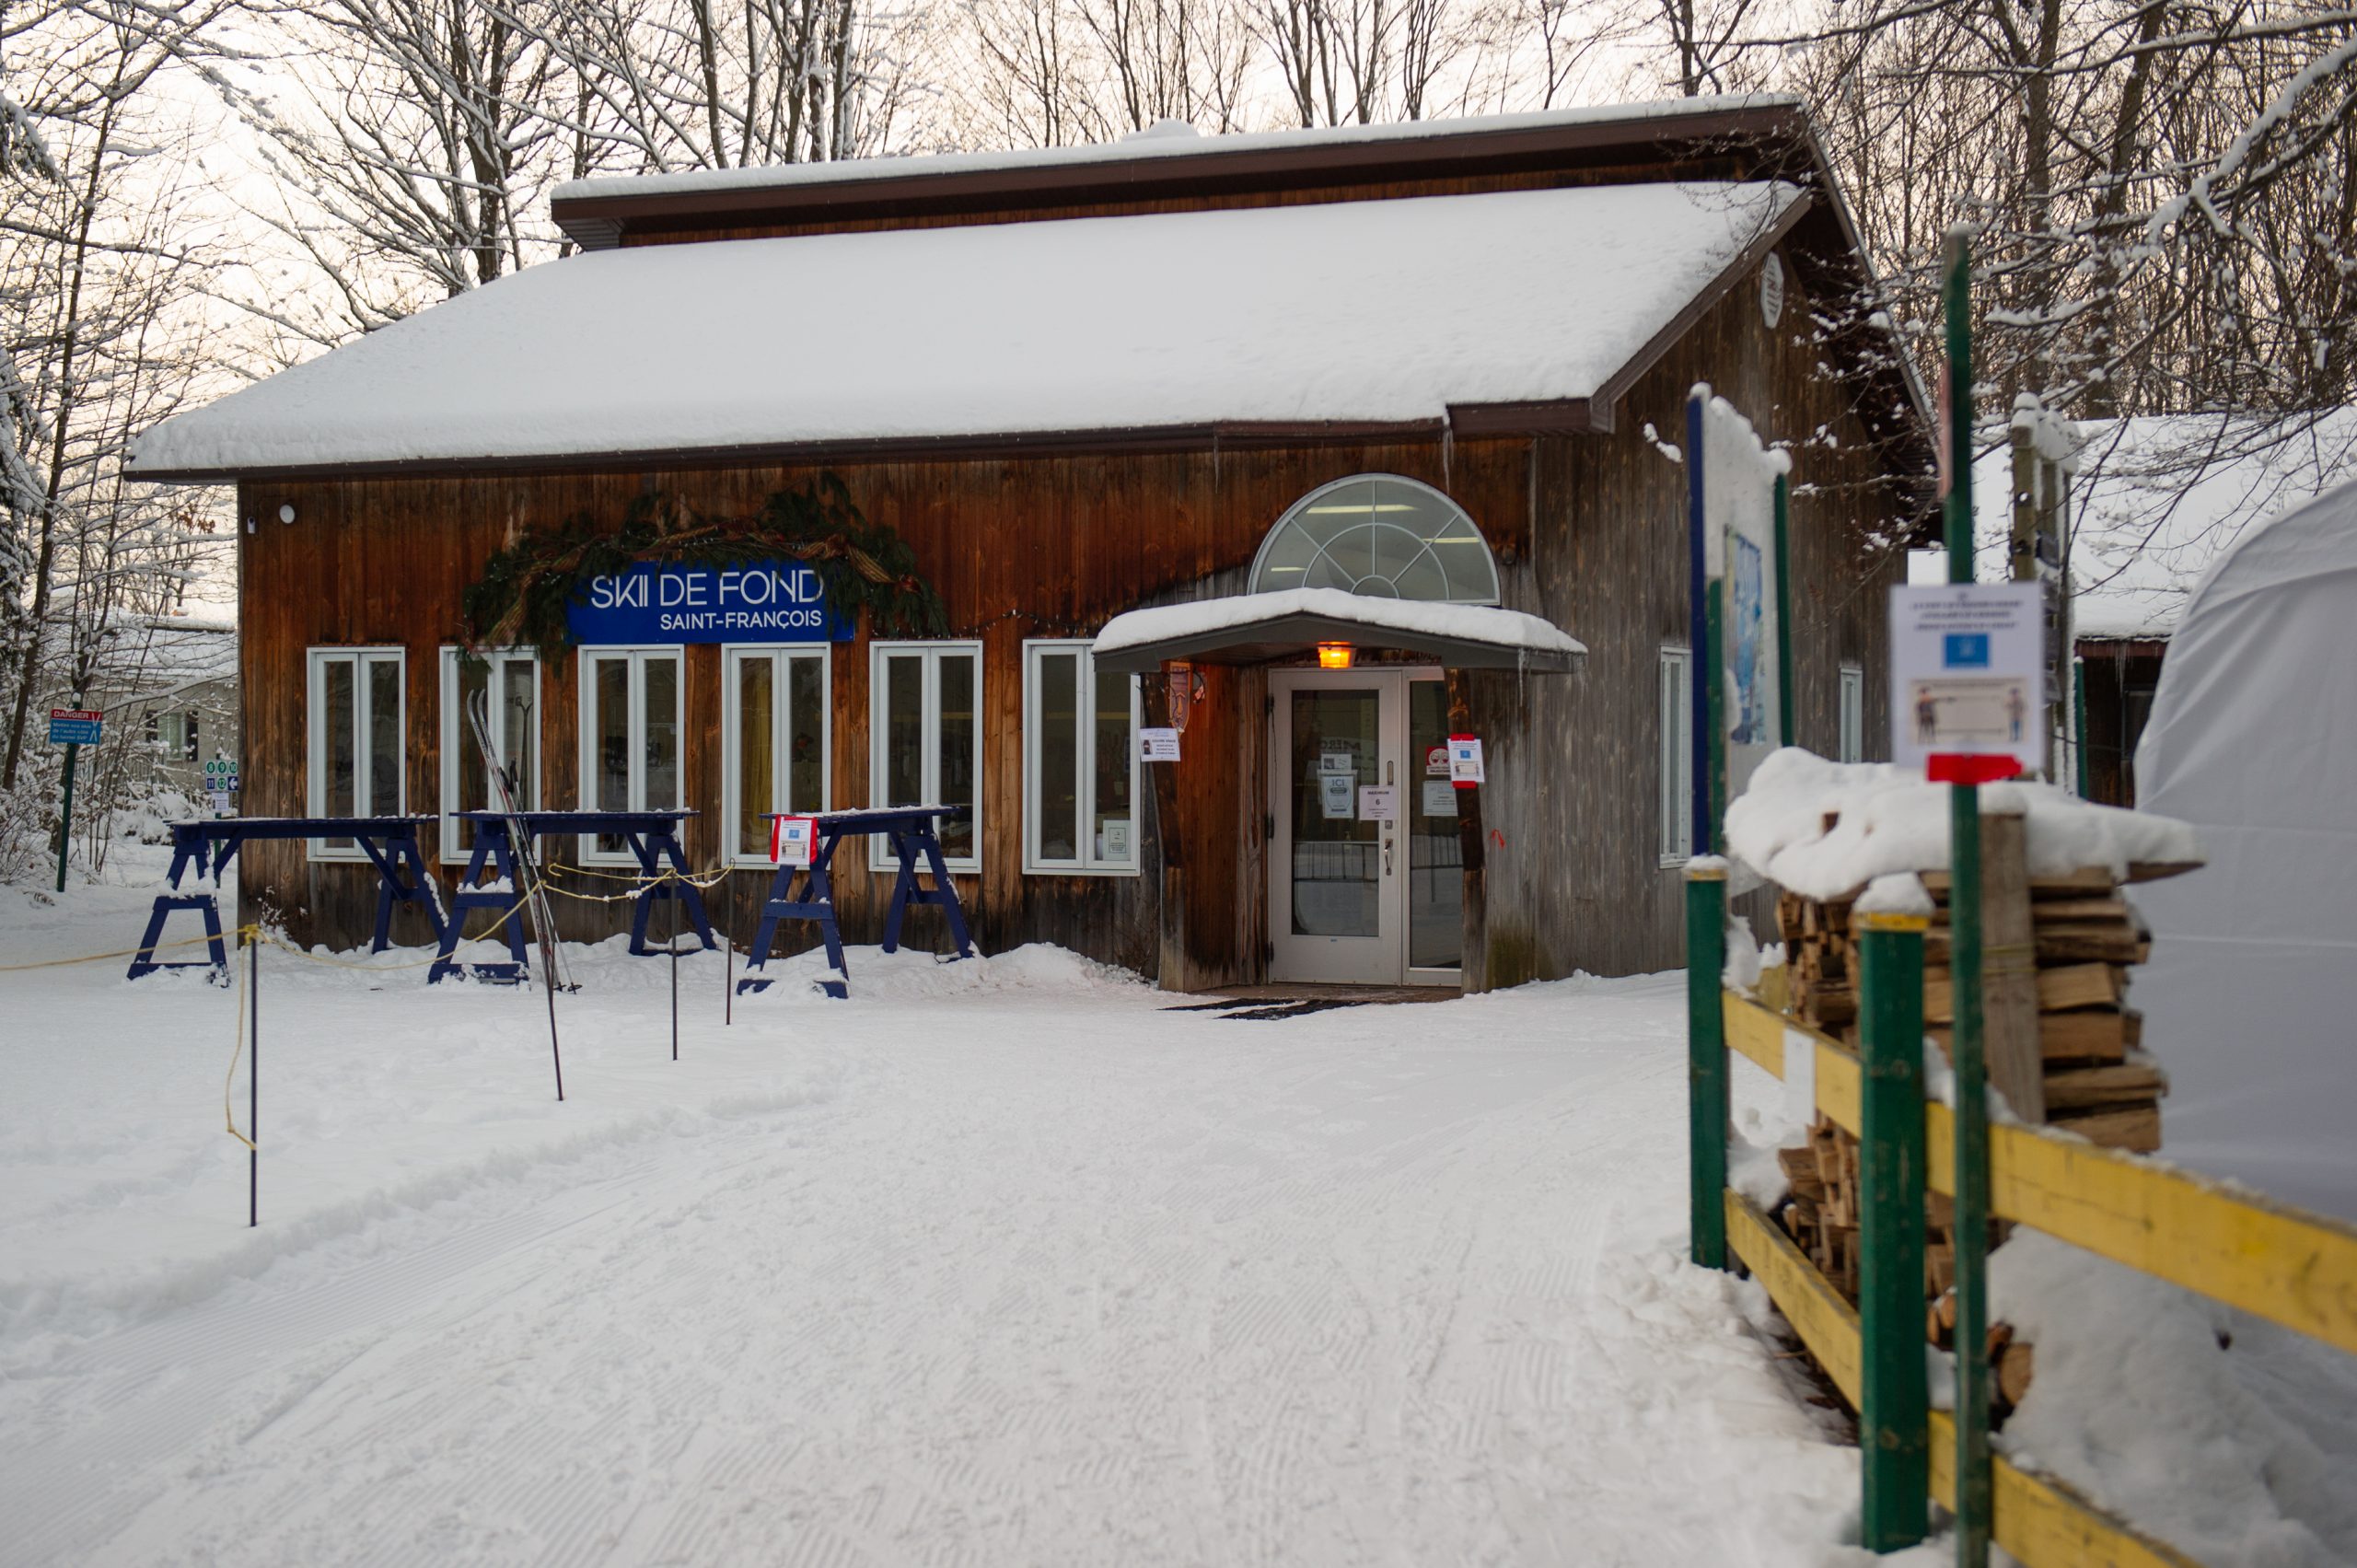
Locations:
(1676, 771)
(1080, 766)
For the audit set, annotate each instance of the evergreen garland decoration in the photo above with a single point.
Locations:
(525, 589)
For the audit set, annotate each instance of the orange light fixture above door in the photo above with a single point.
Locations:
(1333, 656)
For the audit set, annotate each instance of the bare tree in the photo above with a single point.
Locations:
(102, 330)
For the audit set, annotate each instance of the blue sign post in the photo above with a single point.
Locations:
(72, 729)
(661, 602)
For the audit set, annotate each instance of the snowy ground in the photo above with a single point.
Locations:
(1000, 1262)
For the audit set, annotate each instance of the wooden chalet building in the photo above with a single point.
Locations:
(1436, 370)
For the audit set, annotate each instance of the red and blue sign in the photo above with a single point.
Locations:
(73, 727)
(666, 602)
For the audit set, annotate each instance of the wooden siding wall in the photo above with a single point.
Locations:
(1572, 808)
(1020, 548)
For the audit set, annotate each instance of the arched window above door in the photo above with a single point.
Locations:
(1381, 535)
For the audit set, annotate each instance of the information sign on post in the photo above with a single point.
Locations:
(1465, 767)
(1158, 745)
(1968, 670)
(791, 840)
(72, 729)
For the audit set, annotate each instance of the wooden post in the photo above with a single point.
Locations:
(1162, 784)
(1471, 851)
(2009, 966)
(1706, 1064)
(1894, 1430)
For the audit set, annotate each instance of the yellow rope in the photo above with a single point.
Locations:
(96, 957)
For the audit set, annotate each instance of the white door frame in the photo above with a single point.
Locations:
(1380, 959)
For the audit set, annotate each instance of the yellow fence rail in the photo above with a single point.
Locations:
(2043, 1523)
(2269, 1258)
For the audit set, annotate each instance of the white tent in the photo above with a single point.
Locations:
(2250, 999)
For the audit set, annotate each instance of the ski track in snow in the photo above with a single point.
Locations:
(1027, 1273)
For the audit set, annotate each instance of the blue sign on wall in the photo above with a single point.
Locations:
(770, 601)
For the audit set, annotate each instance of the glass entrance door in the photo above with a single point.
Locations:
(1364, 886)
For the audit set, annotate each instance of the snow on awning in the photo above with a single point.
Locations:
(1250, 628)
(1374, 312)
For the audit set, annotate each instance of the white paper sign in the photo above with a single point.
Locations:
(791, 840)
(1968, 663)
(1158, 745)
(221, 807)
(1465, 760)
(1379, 803)
(1115, 843)
(1337, 763)
(1440, 798)
(1336, 791)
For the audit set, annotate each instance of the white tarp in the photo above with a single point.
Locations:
(2250, 998)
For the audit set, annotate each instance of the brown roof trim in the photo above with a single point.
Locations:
(2110, 648)
(1226, 436)
(600, 222)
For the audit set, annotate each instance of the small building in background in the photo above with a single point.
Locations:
(2152, 502)
(172, 705)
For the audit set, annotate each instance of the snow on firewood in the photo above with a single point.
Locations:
(1825, 830)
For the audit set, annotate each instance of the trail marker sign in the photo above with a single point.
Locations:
(73, 727)
(1968, 671)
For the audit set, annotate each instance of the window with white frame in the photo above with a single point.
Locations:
(1853, 713)
(507, 683)
(357, 721)
(1677, 756)
(630, 738)
(925, 740)
(1080, 764)
(773, 741)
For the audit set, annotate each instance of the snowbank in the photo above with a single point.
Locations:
(1888, 819)
(2137, 1399)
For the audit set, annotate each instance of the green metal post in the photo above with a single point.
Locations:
(1706, 1064)
(65, 817)
(2079, 722)
(1894, 1431)
(1785, 717)
(1974, 1501)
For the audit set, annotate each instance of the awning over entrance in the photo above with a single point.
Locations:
(1255, 628)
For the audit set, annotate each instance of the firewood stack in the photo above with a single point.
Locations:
(2095, 1080)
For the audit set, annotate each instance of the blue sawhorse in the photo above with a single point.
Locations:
(653, 838)
(390, 843)
(807, 892)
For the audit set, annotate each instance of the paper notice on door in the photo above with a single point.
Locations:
(1379, 803)
(1440, 798)
(1338, 762)
(1339, 794)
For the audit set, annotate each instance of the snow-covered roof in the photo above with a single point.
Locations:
(1263, 625)
(1164, 140)
(1368, 311)
(2157, 500)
